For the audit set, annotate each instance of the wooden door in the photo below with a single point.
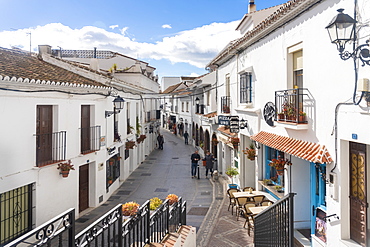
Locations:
(358, 200)
(44, 130)
(83, 187)
(85, 128)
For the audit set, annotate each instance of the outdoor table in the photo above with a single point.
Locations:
(247, 194)
(257, 210)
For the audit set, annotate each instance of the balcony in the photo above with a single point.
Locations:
(199, 109)
(225, 104)
(90, 139)
(50, 148)
(293, 107)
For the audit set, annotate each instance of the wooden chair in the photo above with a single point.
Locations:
(266, 202)
(246, 189)
(258, 199)
(232, 201)
(240, 202)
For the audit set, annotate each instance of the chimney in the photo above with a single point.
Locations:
(44, 49)
(251, 6)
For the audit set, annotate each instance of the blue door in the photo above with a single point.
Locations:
(318, 193)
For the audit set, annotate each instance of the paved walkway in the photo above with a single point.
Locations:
(166, 172)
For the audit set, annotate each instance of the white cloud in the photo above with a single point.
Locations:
(113, 26)
(166, 26)
(196, 47)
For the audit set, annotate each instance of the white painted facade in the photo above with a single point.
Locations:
(53, 194)
(329, 80)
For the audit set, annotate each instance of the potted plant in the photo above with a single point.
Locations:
(281, 116)
(232, 172)
(267, 182)
(279, 164)
(172, 198)
(201, 144)
(302, 117)
(279, 188)
(64, 168)
(214, 141)
(117, 137)
(110, 180)
(250, 152)
(155, 202)
(130, 208)
(130, 145)
(235, 141)
(226, 109)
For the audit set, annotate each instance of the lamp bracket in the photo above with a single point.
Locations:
(110, 113)
(361, 52)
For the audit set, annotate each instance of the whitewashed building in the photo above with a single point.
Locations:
(287, 64)
(54, 111)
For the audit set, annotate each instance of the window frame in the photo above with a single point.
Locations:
(246, 88)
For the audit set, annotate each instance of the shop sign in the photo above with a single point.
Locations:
(223, 120)
(234, 124)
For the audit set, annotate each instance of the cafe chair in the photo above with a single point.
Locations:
(266, 203)
(246, 189)
(258, 199)
(240, 202)
(248, 216)
(232, 201)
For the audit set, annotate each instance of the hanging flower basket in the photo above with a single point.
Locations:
(235, 142)
(250, 152)
(64, 168)
(130, 145)
(279, 165)
(214, 141)
(141, 138)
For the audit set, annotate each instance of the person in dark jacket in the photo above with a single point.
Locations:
(209, 163)
(160, 140)
(195, 157)
(186, 136)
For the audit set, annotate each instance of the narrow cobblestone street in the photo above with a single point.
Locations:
(168, 171)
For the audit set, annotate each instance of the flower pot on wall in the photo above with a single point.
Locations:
(281, 117)
(64, 174)
(233, 186)
(280, 171)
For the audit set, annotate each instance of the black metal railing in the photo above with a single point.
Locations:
(50, 148)
(275, 225)
(199, 109)
(59, 231)
(90, 139)
(225, 104)
(292, 105)
(112, 229)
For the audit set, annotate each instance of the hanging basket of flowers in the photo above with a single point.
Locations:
(235, 141)
(279, 164)
(130, 144)
(250, 152)
(214, 141)
(64, 168)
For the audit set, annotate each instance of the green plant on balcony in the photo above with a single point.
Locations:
(279, 164)
(232, 172)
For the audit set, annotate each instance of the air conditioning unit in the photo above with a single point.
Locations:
(363, 85)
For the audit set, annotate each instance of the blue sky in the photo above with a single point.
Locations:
(176, 37)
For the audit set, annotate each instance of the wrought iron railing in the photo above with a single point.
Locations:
(292, 105)
(225, 104)
(112, 229)
(50, 148)
(274, 226)
(90, 139)
(199, 109)
(59, 231)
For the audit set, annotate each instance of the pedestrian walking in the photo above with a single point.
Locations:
(186, 136)
(195, 157)
(208, 158)
(160, 140)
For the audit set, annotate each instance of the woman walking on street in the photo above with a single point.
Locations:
(209, 163)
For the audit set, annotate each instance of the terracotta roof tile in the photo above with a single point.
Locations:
(226, 131)
(172, 88)
(310, 151)
(21, 65)
(210, 115)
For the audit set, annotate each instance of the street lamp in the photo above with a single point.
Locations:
(197, 100)
(117, 106)
(243, 124)
(342, 29)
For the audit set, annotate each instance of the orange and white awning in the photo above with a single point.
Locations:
(310, 151)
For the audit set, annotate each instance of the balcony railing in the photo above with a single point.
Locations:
(274, 226)
(110, 229)
(225, 104)
(292, 105)
(199, 109)
(90, 139)
(50, 148)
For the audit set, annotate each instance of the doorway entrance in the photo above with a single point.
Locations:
(83, 197)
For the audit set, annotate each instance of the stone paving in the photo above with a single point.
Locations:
(166, 172)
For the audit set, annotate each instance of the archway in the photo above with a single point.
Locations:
(206, 141)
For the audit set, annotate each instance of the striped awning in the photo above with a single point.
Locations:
(310, 151)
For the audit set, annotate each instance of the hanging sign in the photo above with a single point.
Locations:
(223, 120)
(269, 113)
(234, 124)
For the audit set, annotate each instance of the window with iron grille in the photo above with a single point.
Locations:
(246, 88)
(16, 213)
